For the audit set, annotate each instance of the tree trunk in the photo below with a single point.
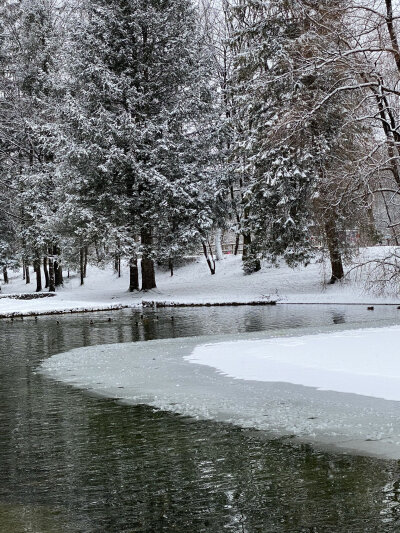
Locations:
(52, 282)
(210, 261)
(117, 259)
(85, 262)
(218, 247)
(148, 274)
(46, 273)
(82, 264)
(171, 266)
(97, 250)
(23, 269)
(334, 250)
(5, 274)
(392, 33)
(237, 242)
(147, 264)
(237, 218)
(117, 265)
(246, 245)
(133, 275)
(27, 274)
(58, 273)
(392, 227)
(36, 267)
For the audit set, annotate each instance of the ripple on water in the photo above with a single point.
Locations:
(74, 463)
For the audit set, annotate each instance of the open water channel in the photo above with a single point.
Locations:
(71, 462)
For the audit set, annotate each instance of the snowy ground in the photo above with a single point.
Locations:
(194, 284)
(337, 389)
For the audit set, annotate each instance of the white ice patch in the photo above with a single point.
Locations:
(363, 362)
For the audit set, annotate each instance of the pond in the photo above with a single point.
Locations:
(70, 462)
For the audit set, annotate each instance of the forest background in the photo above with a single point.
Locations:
(144, 130)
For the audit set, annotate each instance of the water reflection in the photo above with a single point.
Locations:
(72, 463)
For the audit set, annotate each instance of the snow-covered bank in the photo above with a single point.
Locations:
(275, 385)
(29, 295)
(193, 284)
(103, 290)
(23, 312)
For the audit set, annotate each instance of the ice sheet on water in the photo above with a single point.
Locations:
(161, 373)
(360, 361)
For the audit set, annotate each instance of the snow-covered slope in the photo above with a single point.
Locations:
(194, 284)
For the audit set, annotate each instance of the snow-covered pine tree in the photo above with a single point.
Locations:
(30, 41)
(288, 139)
(275, 172)
(8, 234)
(131, 139)
(8, 221)
(328, 113)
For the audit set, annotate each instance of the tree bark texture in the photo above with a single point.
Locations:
(218, 246)
(237, 243)
(147, 264)
(133, 275)
(36, 267)
(46, 273)
(148, 274)
(210, 260)
(334, 250)
(86, 262)
(82, 264)
(52, 282)
(58, 273)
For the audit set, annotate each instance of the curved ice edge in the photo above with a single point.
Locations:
(161, 374)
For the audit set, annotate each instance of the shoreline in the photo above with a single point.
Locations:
(48, 312)
(155, 304)
(193, 287)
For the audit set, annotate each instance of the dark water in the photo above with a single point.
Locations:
(74, 463)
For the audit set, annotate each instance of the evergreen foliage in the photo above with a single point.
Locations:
(287, 148)
(140, 129)
(136, 125)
